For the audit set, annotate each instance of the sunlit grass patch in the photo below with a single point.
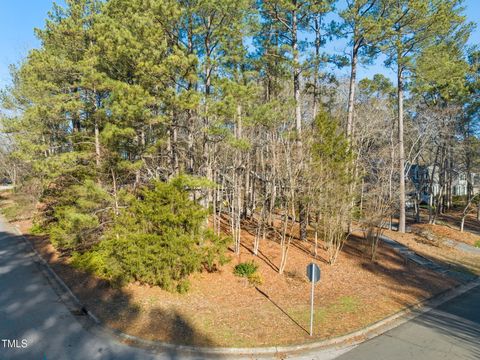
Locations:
(323, 314)
(16, 206)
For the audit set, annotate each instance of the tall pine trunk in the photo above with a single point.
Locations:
(351, 90)
(298, 120)
(401, 151)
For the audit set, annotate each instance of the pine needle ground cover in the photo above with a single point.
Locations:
(451, 224)
(222, 309)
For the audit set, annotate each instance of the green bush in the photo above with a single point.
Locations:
(72, 228)
(245, 269)
(160, 239)
(78, 216)
(37, 229)
(477, 243)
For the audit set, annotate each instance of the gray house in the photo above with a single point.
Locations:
(421, 178)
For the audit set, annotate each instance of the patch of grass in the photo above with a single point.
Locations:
(302, 314)
(477, 244)
(347, 304)
(37, 229)
(459, 200)
(223, 333)
(343, 305)
(441, 222)
(17, 206)
(17, 211)
(249, 270)
(229, 336)
(11, 211)
(152, 300)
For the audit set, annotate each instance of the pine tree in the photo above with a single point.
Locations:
(414, 26)
(158, 240)
(365, 22)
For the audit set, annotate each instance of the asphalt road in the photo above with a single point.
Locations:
(450, 332)
(36, 324)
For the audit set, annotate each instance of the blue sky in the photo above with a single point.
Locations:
(19, 18)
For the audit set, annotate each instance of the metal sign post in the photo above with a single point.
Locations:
(313, 274)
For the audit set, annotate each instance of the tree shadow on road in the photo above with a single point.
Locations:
(458, 320)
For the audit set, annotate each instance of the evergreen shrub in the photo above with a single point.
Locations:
(245, 269)
(159, 239)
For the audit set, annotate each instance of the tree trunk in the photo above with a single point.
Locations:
(190, 119)
(115, 196)
(173, 149)
(296, 80)
(97, 144)
(318, 42)
(207, 163)
(298, 121)
(351, 90)
(97, 104)
(392, 170)
(431, 188)
(401, 152)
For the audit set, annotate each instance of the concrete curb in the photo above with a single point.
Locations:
(341, 342)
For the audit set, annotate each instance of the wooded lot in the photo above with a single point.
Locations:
(141, 127)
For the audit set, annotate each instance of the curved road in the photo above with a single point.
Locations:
(36, 324)
(449, 332)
